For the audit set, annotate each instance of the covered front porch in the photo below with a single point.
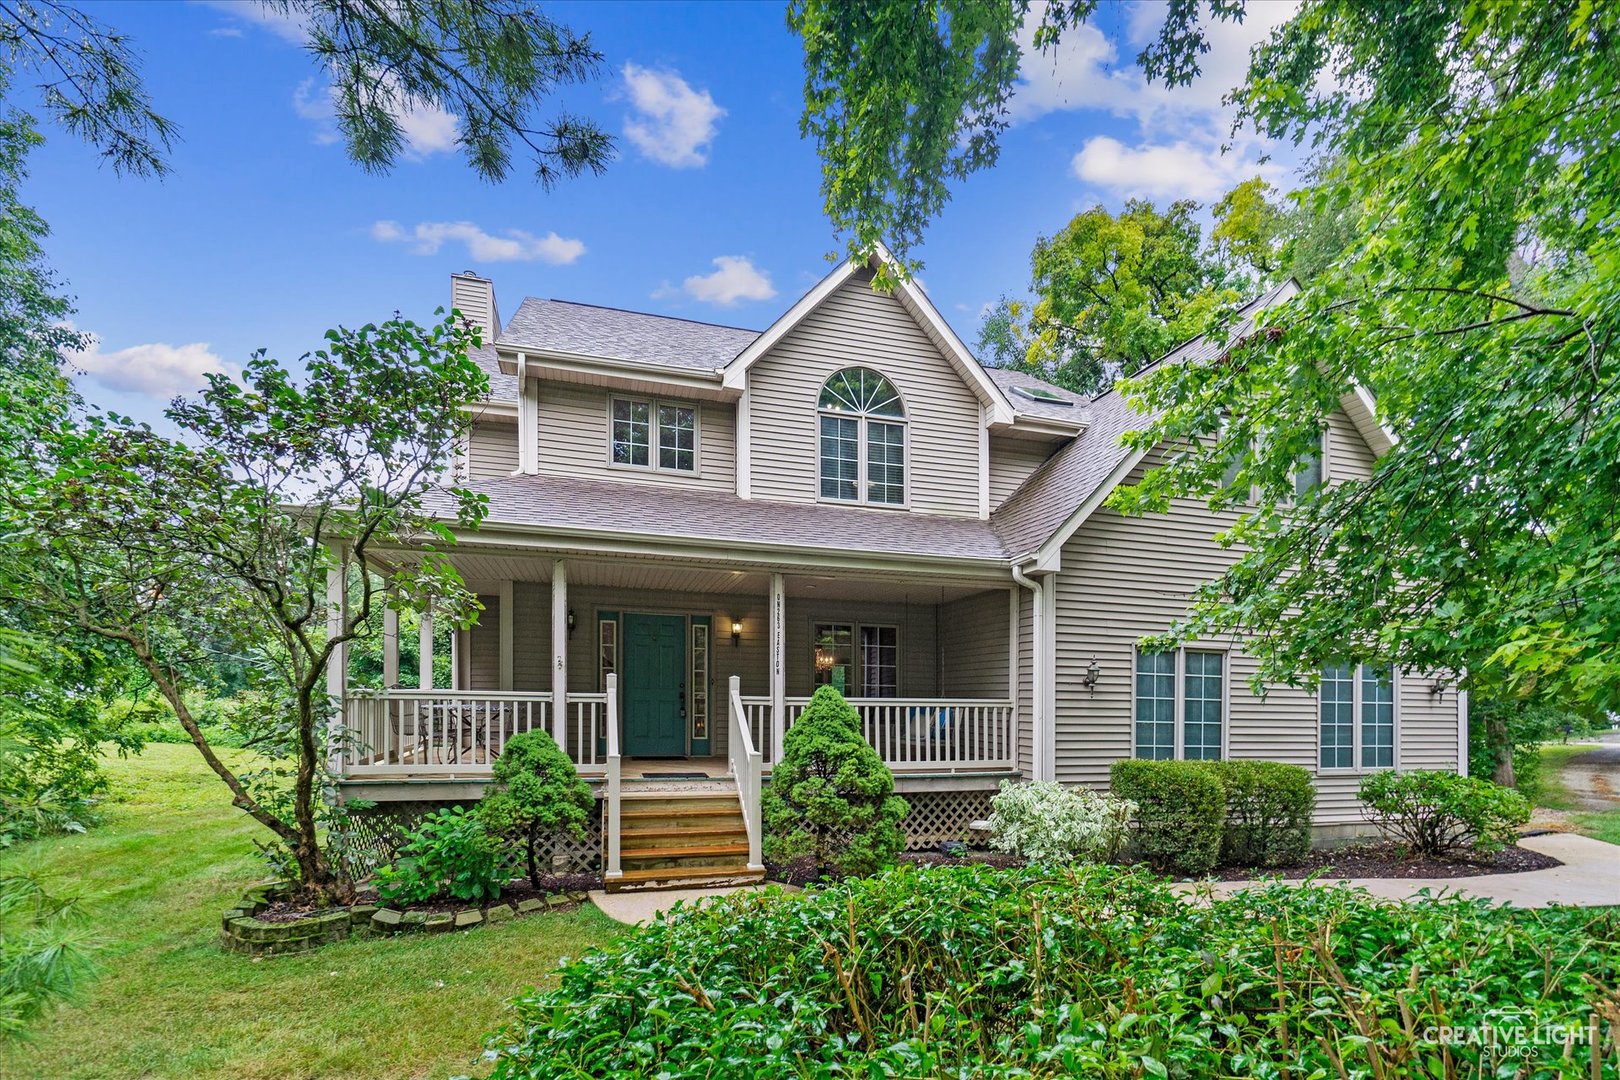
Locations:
(638, 657)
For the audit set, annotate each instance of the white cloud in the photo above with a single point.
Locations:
(427, 128)
(157, 369)
(1164, 171)
(290, 27)
(674, 124)
(735, 278)
(512, 245)
(226, 32)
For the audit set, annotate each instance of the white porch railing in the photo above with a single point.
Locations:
(913, 734)
(461, 732)
(747, 765)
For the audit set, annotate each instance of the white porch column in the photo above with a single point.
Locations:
(559, 652)
(778, 647)
(424, 647)
(337, 664)
(390, 644)
(507, 645)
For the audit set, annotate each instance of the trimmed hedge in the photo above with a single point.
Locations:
(1195, 815)
(1180, 812)
(964, 971)
(1269, 807)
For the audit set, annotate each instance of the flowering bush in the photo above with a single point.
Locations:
(1049, 823)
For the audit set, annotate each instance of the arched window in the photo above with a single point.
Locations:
(863, 439)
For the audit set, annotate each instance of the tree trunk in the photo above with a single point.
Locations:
(1496, 729)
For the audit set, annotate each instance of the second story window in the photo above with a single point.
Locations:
(863, 439)
(654, 434)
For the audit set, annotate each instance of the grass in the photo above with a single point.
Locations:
(1556, 795)
(171, 856)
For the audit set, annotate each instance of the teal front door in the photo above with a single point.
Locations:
(654, 686)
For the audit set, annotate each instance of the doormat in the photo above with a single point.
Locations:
(675, 776)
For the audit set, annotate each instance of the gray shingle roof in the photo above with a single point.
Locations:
(564, 504)
(1034, 512)
(502, 387)
(564, 326)
(1007, 380)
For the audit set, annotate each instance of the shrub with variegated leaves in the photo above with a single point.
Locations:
(1046, 822)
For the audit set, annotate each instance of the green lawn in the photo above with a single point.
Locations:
(1555, 794)
(172, 855)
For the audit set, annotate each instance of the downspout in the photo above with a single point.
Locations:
(1037, 696)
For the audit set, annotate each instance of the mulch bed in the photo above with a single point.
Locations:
(1369, 860)
(285, 911)
(1385, 860)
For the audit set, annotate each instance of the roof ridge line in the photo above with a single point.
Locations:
(644, 314)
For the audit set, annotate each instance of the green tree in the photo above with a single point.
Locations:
(538, 795)
(831, 797)
(165, 548)
(44, 957)
(491, 63)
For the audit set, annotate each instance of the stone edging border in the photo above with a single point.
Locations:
(242, 931)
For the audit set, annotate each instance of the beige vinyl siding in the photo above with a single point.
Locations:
(492, 450)
(574, 439)
(483, 638)
(1347, 452)
(1011, 462)
(858, 327)
(1123, 578)
(973, 646)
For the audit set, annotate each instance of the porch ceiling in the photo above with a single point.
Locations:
(486, 568)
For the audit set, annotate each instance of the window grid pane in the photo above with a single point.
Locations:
(1337, 717)
(840, 458)
(632, 424)
(700, 681)
(885, 462)
(1156, 705)
(835, 656)
(677, 438)
(1202, 707)
(607, 636)
(880, 661)
(1309, 473)
(1377, 718)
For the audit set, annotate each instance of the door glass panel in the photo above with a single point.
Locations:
(835, 656)
(880, 661)
(700, 681)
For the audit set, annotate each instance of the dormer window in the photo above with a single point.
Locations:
(863, 439)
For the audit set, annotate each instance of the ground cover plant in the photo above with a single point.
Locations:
(969, 971)
(168, 1004)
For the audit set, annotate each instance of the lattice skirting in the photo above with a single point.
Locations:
(938, 816)
(375, 835)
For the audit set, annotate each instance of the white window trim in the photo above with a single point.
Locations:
(1180, 707)
(861, 479)
(652, 465)
(1356, 768)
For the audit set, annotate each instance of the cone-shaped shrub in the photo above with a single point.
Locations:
(831, 797)
(537, 795)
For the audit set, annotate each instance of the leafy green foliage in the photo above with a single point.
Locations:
(831, 797)
(1440, 813)
(1053, 825)
(1180, 812)
(899, 105)
(967, 971)
(537, 794)
(165, 550)
(448, 854)
(1269, 808)
(1505, 734)
(490, 63)
(44, 958)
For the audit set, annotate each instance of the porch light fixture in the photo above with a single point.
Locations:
(1093, 673)
(572, 622)
(736, 632)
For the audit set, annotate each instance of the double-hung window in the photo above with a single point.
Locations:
(1357, 711)
(654, 434)
(862, 431)
(1181, 705)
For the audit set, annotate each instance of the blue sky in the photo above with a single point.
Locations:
(265, 234)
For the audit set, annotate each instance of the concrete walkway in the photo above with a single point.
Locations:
(1590, 877)
(634, 908)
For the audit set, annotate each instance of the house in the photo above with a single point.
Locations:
(692, 526)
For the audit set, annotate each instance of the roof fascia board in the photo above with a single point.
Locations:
(1043, 425)
(923, 310)
(536, 361)
(736, 372)
(507, 410)
(606, 541)
(1362, 408)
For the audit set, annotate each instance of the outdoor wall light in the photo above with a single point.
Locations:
(736, 632)
(1093, 673)
(572, 622)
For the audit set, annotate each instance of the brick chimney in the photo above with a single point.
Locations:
(474, 297)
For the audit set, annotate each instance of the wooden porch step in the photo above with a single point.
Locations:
(699, 852)
(686, 832)
(645, 800)
(676, 878)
